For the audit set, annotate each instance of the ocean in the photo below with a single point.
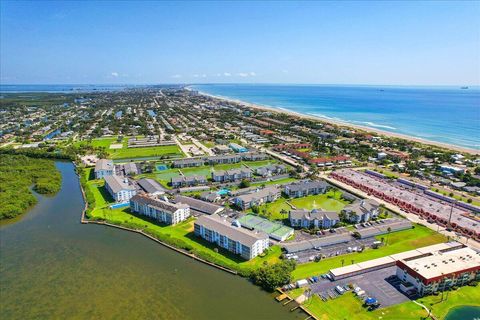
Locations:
(61, 88)
(442, 114)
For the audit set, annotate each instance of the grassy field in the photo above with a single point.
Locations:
(128, 153)
(329, 201)
(350, 307)
(400, 241)
(208, 143)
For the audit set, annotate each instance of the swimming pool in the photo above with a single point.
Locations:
(162, 167)
(120, 205)
(223, 192)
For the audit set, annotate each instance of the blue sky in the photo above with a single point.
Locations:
(410, 43)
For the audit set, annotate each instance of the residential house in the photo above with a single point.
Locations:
(362, 211)
(271, 170)
(128, 169)
(254, 156)
(257, 197)
(305, 188)
(210, 196)
(313, 219)
(151, 186)
(103, 168)
(188, 181)
(231, 175)
(189, 162)
(231, 236)
(160, 210)
(199, 206)
(120, 188)
(221, 149)
(224, 159)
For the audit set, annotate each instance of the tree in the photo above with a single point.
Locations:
(273, 276)
(334, 189)
(244, 184)
(388, 233)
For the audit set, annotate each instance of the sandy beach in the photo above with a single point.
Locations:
(347, 125)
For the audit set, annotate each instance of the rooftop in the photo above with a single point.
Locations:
(199, 205)
(443, 263)
(104, 164)
(224, 227)
(118, 184)
(150, 185)
(158, 204)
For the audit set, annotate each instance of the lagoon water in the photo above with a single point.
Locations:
(53, 267)
(464, 313)
(443, 114)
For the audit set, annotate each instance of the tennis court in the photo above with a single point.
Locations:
(274, 230)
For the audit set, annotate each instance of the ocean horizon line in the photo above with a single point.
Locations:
(186, 84)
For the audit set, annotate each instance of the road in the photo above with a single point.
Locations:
(182, 147)
(203, 147)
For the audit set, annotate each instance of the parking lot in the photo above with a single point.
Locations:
(333, 250)
(381, 284)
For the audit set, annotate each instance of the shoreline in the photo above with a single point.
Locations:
(343, 124)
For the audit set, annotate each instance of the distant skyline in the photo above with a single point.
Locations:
(147, 42)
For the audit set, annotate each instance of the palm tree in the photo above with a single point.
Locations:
(334, 189)
(388, 230)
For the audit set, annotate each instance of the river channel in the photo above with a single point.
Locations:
(53, 267)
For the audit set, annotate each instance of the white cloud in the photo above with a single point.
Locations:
(177, 76)
(204, 75)
(246, 74)
(227, 74)
(115, 74)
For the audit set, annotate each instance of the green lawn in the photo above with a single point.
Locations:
(101, 142)
(350, 307)
(208, 143)
(328, 202)
(184, 232)
(400, 241)
(127, 153)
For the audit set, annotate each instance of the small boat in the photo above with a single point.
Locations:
(464, 88)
